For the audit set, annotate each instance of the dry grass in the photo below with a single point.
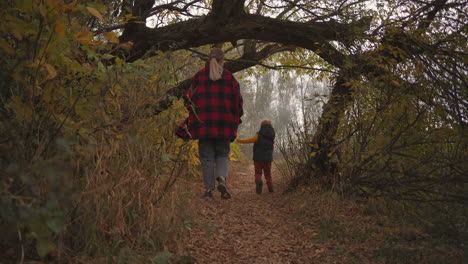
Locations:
(362, 233)
(135, 196)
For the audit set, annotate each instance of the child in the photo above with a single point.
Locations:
(262, 154)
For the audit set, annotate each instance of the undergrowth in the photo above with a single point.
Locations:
(88, 171)
(369, 231)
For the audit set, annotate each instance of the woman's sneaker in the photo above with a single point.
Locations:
(208, 194)
(223, 189)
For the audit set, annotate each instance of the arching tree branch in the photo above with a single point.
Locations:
(245, 61)
(206, 30)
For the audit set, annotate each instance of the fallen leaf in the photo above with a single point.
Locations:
(95, 13)
(59, 28)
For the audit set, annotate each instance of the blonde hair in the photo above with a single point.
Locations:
(266, 122)
(216, 62)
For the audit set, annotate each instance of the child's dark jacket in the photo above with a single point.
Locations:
(263, 143)
(263, 148)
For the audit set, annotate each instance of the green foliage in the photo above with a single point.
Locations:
(236, 153)
(84, 164)
(401, 146)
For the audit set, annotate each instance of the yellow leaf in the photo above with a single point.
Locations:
(51, 72)
(84, 36)
(59, 28)
(88, 67)
(33, 64)
(17, 33)
(318, 251)
(95, 13)
(119, 62)
(21, 110)
(395, 83)
(70, 7)
(111, 37)
(6, 47)
(127, 45)
(400, 166)
(44, 246)
(52, 3)
(232, 157)
(42, 10)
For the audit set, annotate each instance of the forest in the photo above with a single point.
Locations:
(369, 100)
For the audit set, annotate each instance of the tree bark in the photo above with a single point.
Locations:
(323, 144)
(208, 29)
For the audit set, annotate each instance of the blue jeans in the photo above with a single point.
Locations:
(214, 157)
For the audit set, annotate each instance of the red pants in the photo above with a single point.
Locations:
(266, 168)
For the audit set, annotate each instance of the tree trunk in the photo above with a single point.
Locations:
(323, 145)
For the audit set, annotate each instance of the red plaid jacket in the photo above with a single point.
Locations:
(215, 107)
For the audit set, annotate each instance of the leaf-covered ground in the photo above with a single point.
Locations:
(302, 227)
(248, 228)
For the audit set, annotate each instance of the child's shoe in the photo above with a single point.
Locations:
(258, 187)
(270, 189)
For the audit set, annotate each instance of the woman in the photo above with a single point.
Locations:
(215, 105)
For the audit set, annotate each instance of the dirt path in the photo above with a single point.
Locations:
(248, 228)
